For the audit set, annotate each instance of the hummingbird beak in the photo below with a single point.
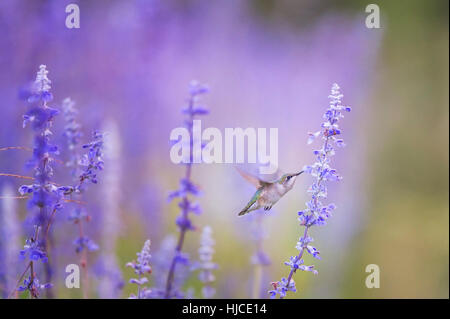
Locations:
(298, 173)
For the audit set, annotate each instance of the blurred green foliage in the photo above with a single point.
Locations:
(407, 234)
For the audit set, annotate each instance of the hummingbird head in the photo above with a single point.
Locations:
(288, 180)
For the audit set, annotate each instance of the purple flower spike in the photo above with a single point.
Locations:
(141, 268)
(316, 212)
(186, 189)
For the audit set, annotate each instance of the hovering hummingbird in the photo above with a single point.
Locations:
(267, 193)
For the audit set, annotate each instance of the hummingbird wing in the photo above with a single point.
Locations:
(255, 181)
(247, 208)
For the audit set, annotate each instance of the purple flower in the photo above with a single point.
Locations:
(73, 135)
(316, 212)
(141, 267)
(186, 188)
(77, 215)
(191, 207)
(71, 132)
(84, 242)
(182, 258)
(196, 89)
(92, 160)
(33, 286)
(313, 251)
(41, 87)
(183, 222)
(197, 110)
(40, 117)
(33, 250)
(43, 194)
(205, 265)
(282, 287)
(72, 127)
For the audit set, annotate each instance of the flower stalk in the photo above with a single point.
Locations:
(316, 212)
(186, 187)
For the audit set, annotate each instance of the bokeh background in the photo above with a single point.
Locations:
(268, 64)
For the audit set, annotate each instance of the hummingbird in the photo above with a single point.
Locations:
(267, 193)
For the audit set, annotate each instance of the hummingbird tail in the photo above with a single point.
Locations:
(243, 212)
(251, 204)
(247, 210)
